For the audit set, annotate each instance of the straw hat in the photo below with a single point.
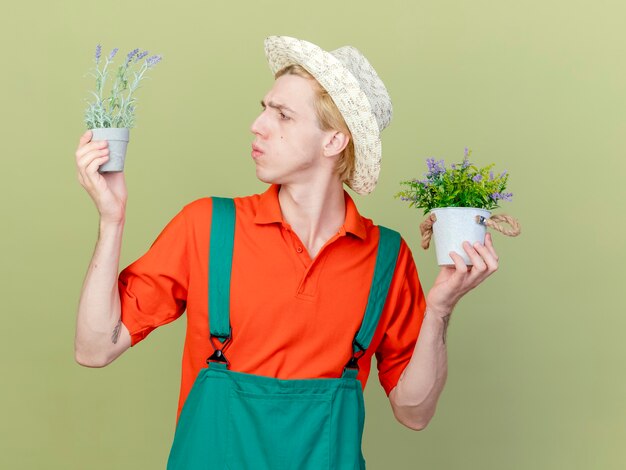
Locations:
(356, 89)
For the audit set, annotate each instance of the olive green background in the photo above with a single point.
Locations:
(536, 353)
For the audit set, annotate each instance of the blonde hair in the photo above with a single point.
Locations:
(329, 118)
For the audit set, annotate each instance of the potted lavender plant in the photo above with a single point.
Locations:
(111, 118)
(458, 202)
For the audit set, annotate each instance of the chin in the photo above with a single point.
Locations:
(265, 178)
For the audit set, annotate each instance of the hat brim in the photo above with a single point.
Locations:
(344, 89)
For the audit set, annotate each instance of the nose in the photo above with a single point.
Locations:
(258, 126)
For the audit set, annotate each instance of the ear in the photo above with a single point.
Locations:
(335, 142)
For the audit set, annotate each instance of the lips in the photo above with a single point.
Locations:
(256, 151)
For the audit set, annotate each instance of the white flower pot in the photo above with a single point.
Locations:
(118, 142)
(453, 226)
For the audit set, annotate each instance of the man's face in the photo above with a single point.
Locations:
(288, 144)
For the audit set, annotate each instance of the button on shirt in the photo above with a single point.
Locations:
(291, 316)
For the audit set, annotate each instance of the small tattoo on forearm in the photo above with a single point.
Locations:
(446, 321)
(116, 331)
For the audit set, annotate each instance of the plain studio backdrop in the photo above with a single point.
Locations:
(536, 353)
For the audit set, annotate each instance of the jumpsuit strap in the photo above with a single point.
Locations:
(220, 269)
(386, 258)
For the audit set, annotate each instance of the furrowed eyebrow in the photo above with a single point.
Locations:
(278, 106)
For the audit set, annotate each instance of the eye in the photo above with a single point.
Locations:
(283, 116)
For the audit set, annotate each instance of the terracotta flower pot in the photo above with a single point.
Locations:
(453, 226)
(117, 138)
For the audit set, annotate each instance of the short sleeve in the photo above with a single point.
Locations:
(153, 289)
(407, 312)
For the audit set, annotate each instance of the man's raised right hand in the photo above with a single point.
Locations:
(107, 190)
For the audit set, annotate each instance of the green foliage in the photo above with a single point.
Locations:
(462, 185)
(118, 109)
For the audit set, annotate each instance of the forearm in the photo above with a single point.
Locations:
(415, 397)
(98, 323)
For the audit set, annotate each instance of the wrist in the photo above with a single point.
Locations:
(437, 312)
(111, 224)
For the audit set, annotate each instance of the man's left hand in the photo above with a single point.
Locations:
(453, 282)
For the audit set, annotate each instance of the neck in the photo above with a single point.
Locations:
(314, 211)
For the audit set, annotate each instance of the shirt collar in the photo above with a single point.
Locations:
(269, 212)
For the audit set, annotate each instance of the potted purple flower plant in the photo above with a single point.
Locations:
(111, 118)
(458, 201)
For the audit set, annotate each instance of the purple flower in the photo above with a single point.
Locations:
(130, 55)
(491, 175)
(141, 56)
(453, 166)
(113, 52)
(466, 161)
(503, 196)
(98, 51)
(435, 168)
(430, 163)
(503, 173)
(477, 178)
(152, 61)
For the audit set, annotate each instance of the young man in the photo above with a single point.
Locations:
(305, 267)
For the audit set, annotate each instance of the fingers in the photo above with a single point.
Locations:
(459, 264)
(86, 145)
(474, 256)
(88, 150)
(489, 245)
(84, 160)
(92, 167)
(89, 157)
(483, 261)
(86, 137)
(89, 176)
(488, 256)
(461, 269)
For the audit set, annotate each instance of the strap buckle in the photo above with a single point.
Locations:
(353, 362)
(218, 355)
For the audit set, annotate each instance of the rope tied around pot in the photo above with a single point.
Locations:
(426, 227)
